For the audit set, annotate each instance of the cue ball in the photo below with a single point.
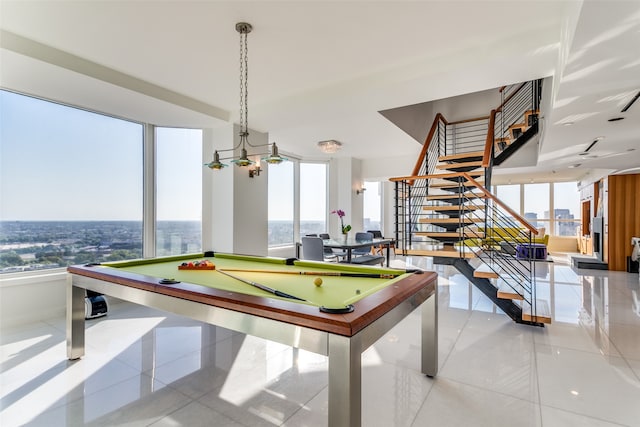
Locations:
(318, 281)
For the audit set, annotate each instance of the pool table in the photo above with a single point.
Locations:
(352, 308)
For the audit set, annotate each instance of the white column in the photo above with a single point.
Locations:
(345, 178)
(234, 205)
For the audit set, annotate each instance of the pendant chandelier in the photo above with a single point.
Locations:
(273, 157)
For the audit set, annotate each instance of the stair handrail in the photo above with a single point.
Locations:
(475, 119)
(500, 203)
(488, 146)
(511, 95)
(427, 142)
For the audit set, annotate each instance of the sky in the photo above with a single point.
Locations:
(62, 163)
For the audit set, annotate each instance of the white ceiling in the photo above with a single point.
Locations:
(322, 70)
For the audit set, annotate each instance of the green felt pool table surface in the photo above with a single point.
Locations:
(335, 291)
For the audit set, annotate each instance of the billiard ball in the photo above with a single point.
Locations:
(318, 281)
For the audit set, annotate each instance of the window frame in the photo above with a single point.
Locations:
(148, 200)
(550, 223)
(297, 162)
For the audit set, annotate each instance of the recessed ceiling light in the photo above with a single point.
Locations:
(568, 123)
(599, 138)
(574, 166)
(615, 119)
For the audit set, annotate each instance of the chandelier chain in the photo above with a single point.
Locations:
(244, 83)
(273, 157)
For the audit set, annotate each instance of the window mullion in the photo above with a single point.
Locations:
(149, 193)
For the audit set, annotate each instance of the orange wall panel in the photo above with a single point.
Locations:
(623, 218)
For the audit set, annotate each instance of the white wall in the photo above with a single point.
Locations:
(27, 298)
(384, 168)
(468, 106)
(381, 170)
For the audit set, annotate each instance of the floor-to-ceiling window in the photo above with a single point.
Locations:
(301, 205)
(552, 206)
(71, 184)
(313, 198)
(566, 208)
(178, 191)
(537, 202)
(372, 206)
(510, 195)
(281, 204)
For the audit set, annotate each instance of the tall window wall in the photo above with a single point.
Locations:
(552, 206)
(536, 199)
(281, 204)
(566, 208)
(372, 206)
(296, 203)
(71, 183)
(178, 191)
(313, 198)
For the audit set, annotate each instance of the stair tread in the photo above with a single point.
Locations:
(508, 289)
(453, 184)
(445, 234)
(450, 220)
(451, 208)
(435, 251)
(485, 271)
(461, 156)
(473, 174)
(542, 315)
(458, 165)
(446, 196)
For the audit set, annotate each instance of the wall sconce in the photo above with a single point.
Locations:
(361, 191)
(254, 170)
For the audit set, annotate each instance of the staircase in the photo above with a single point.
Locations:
(444, 209)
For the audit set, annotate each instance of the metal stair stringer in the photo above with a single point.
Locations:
(511, 309)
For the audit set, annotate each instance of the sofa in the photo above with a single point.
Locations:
(504, 237)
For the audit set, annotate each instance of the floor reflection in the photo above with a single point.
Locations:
(145, 367)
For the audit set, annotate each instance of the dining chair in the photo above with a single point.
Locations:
(379, 249)
(340, 253)
(362, 236)
(362, 255)
(313, 249)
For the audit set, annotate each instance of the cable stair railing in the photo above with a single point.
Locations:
(456, 201)
(504, 239)
(489, 231)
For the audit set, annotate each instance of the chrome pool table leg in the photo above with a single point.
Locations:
(75, 321)
(430, 336)
(345, 381)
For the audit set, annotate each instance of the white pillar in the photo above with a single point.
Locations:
(345, 179)
(234, 205)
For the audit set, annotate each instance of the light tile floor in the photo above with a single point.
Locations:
(144, 367)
